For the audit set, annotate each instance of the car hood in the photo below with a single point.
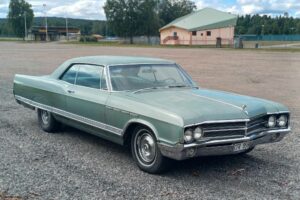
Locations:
(199, 105)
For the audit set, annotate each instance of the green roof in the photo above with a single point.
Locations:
(207, 18)
(107, 61)
(118, 60)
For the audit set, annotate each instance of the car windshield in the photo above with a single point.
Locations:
(138, 77)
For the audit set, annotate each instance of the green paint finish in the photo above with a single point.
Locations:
(167, 111)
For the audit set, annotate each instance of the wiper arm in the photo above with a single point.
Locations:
(145, 89)
(165, 87)
(177, 86)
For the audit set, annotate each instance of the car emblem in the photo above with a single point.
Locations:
(244, 109)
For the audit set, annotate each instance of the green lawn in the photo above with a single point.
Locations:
(7, 39)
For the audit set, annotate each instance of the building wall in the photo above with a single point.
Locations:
(183, 36)
(202, 38)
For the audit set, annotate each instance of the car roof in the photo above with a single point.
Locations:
(108, 61)
(118, 60)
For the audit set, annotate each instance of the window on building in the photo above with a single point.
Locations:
(175, 34)
(201, 34)
(208, 33)
(194, 33)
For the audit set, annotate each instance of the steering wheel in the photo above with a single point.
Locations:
(169, 80)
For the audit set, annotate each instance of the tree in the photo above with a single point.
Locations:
(98, 27)
(170, 10)
(123, 17)
(149, 21)
(18, 11)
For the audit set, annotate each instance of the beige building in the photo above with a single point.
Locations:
(204, 27)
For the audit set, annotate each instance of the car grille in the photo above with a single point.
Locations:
(234, 129)
(257, 125)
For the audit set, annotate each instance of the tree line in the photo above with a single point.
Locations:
(267, 25)
(128, 18)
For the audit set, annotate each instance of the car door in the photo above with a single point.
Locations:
(87, 95)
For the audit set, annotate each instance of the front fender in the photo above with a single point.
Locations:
(164, 132)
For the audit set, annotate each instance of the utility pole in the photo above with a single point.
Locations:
(262, 30)
(67, 29)
(44, 5)
(25, 34)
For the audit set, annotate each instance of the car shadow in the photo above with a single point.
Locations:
(229, 165)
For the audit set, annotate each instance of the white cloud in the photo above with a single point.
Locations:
(273, 7)
(90, 9)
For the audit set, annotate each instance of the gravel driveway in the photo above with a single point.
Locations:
(75, 165)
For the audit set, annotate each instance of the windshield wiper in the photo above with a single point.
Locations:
(177, 86)
(145, 89)
(164, 87)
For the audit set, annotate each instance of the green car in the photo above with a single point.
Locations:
(151, 105)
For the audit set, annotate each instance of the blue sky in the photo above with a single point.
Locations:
(92, 9)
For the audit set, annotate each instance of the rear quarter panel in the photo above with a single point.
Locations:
(41, 89)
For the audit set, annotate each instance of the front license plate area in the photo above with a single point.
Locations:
(240, 146)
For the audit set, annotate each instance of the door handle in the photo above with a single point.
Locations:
(71, 91)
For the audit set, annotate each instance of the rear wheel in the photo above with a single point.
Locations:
(47, 122)
(146, 153)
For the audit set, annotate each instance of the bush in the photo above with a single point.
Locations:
(88, 39)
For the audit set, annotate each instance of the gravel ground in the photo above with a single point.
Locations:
(74, 165)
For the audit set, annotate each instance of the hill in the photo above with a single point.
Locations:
(87, 27)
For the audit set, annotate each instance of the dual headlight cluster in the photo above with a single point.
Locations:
(192, 134)
(279, 121)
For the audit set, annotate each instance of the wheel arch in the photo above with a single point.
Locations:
(132, 124)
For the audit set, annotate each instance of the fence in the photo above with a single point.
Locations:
(267, 41)
(152, 40)
(269, 37)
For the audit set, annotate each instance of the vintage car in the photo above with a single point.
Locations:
(151, 105)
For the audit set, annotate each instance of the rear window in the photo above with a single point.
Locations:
(91, 76)
(70, 75)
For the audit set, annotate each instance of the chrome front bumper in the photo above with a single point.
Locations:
(220, 146)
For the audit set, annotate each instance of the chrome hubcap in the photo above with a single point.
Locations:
(146, 147)
(45, 116)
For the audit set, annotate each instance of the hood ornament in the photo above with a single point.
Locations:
(244, 107)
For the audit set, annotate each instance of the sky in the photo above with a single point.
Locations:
(93, 9)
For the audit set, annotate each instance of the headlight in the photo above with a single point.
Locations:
(197, 133)
(188, 136)
(272, 121)
(282, 121)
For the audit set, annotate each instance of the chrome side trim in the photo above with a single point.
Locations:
(72, 116)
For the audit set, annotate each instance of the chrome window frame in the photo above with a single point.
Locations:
(74, 84)
(180, 69)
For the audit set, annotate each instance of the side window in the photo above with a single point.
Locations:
(70, 75)
(91, 76)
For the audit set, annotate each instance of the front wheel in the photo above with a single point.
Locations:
(146, 153)
(47, 121)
